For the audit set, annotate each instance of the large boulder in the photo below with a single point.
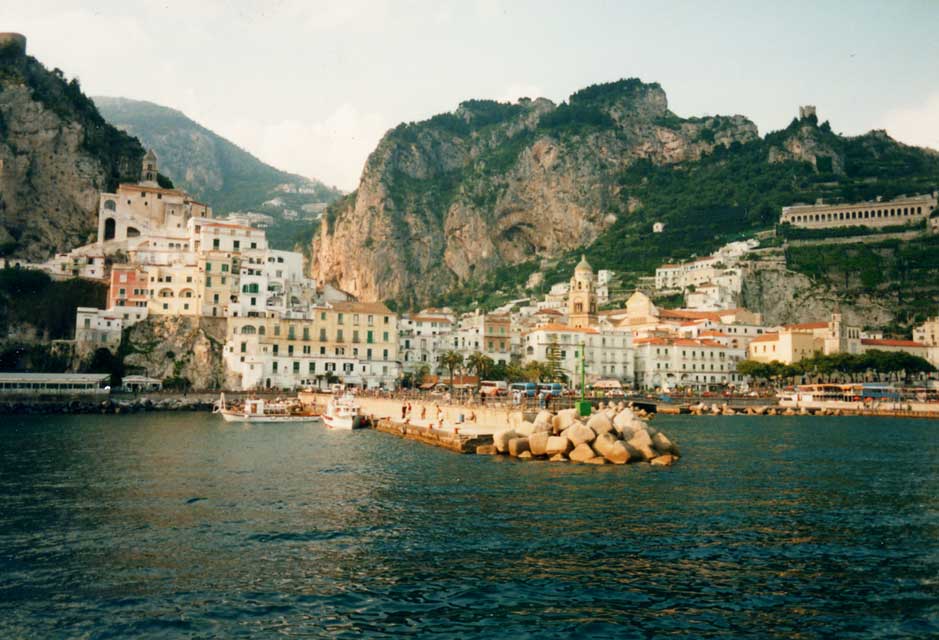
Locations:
(525, 455)
(600, 423)
(525, 429)
(664, 461)
(662, 444)
(538, 443)
(517, 446)
(543, 417)
(612, 449)
(626, 429)
(486, 450)
(641, 441)
(542, 427)
(579, 433)
(624, 417)
(558, 457)
(565, 418)
(582, 453)
(501, 439)
(558, 445)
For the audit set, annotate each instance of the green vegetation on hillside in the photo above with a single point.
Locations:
(29, 297)
(735, 192)
(906, 272)
(118, 152)
(215, 170)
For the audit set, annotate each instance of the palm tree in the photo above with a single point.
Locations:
(452, 360)
(479, 363)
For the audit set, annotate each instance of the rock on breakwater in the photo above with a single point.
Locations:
(612, 435)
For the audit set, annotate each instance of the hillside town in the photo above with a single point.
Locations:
(163, 253)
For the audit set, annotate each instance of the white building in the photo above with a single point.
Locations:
(665, 363)
(97, 328)
(609, 353)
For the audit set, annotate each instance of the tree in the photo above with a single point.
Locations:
(452, 360)
(480, 364)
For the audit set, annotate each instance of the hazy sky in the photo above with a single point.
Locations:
(310, 87)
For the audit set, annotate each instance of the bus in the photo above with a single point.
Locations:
(493, 388)
(527, 389)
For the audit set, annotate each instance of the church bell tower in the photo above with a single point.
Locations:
(582, 296)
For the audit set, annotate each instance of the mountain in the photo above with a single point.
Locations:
(451, 199)
(466, 206)
(216, 170)
(56, 154)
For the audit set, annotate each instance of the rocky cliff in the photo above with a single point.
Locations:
(56, 155)
(181, 348)
(788, 297)
(493, 184)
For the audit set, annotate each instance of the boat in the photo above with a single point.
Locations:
(343, 413)
(260, 410)
(860, 397)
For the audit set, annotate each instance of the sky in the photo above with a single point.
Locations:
(311, 86)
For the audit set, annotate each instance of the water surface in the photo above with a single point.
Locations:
(179, 525)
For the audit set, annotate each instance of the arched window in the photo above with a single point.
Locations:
(248, 330)
(132, 232)
(186, 293)
(110, 205)
(166, 293)
(109, 229)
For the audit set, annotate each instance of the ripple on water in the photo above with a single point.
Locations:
(174, 526)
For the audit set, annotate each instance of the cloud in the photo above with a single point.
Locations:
(917, 125)
(333, 150)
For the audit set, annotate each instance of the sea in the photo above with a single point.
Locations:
(178, 525)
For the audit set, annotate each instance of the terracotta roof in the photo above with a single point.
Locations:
(807, 325)
(766, 337)
(892, 343)
(679, 342)
(139, 187)
(228, 225)
(714, 334)
(550, 312)
(553, 327)
(361, 307)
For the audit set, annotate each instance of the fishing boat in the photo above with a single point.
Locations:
(259, 410)
(343, 413)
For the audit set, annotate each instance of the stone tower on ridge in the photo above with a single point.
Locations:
(582, 296)
(148, 171)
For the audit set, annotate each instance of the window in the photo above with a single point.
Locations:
(276, 349)
(236, 244)
(216, 245)
(225, 268)
(322, 335)
(369, 338)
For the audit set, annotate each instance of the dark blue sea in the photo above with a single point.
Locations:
(181, 526)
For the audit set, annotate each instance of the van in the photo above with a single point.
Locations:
(527, 388)
(493, 388)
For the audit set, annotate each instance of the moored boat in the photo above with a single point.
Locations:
(343, 413)
(260, 410)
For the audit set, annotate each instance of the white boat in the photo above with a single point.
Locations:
(259, 410)
(342, 413)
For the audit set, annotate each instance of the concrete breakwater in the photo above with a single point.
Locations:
(447, 439)
(611, 435)
(614, 434)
